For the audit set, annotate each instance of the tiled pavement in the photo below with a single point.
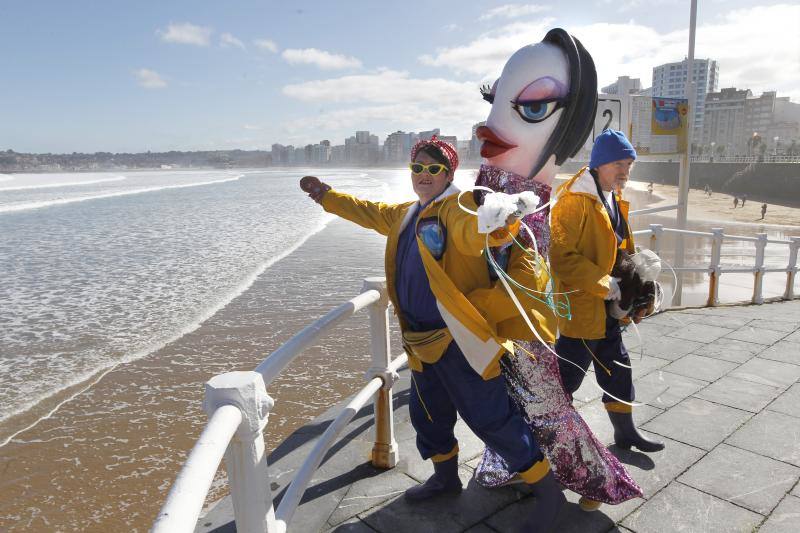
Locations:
(720, 386)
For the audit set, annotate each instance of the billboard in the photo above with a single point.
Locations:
(669, 125)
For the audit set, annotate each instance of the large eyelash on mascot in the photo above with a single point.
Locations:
(486, 93)
(636, 293)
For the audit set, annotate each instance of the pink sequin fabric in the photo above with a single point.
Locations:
(580, 462)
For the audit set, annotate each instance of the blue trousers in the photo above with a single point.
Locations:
(611, 377)
(450, 385)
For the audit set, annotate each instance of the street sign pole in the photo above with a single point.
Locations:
(683, 180)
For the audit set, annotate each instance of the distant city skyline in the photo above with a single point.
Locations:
(121, 77)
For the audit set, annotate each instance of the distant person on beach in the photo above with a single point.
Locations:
(705, 189)
(763, 210)
(434, 261)
(589, 226)
(744, 199)
(735, 202)
(650, 189)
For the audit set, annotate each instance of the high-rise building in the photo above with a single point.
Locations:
(724, 124)
(669, 81)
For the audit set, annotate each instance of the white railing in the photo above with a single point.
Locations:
(238, 407)
(715, 268)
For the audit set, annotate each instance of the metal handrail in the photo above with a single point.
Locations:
(188, 493)
(715, 268)
(294, 493)
(272, 365)
(238, 407)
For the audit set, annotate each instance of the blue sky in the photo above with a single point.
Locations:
(118, 75)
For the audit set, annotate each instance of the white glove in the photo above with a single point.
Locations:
(613, 290)
(498, 206)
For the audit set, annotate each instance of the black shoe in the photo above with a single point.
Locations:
(548, 500)
(626, 434)
(444, 480)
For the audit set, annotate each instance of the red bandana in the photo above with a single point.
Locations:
(445, 147)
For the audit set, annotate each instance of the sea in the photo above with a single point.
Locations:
(123, 292)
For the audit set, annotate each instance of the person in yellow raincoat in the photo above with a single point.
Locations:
(434, 261)
(589, 224)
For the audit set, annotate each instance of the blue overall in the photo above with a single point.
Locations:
(450, 385)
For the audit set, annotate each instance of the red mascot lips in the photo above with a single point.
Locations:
(492, 144)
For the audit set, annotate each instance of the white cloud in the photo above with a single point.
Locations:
(320, 58)
(266, 44)
(226, 40)
(757, 48)
(508, 11)
(149, 79)
(392, 100)
(186, 33)
(252, 127)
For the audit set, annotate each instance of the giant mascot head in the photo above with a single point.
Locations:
(543, 108)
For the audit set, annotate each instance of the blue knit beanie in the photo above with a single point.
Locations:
(611, 145)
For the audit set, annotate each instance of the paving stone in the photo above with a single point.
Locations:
(794, 337)
(588, 390)
(788, 403)
(669, 347)
(729, 350)
(700, 332)
(480, 528)
(796, 490)
(654, 471)
(684, 509)
(665, 389)
(698, 422)
(742, 477)
(739, 393)
(469, 445)
(776, 324)
(721, 321)
(758, 335)
(697, 366)
(354, 525)
(772, 434)
(442, 514)
(766, 372)
(596, 417)
(367, 493)
(570, 519)
(645, 365)
(785, 518)
(785, 351)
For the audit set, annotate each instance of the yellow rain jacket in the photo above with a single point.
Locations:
(460, 272)
(583, 249)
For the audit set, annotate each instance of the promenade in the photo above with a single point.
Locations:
(720, 387)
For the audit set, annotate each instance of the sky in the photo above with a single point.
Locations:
(124, 76)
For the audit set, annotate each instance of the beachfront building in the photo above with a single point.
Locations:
(669, 81)
(397, 146)
(623, 85)
(735, 118)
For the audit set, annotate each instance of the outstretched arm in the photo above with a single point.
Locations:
(371, 215)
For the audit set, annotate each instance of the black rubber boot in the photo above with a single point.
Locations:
(548, 500)
(626, 434)
(444, 480)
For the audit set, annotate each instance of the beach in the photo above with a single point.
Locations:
(106, 458)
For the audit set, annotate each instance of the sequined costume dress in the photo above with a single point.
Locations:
(579, 460)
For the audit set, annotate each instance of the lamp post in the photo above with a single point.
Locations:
(776, 139)
(713, 144)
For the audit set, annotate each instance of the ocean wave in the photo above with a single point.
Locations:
(92, 377)
(56, 185)
(61, 201)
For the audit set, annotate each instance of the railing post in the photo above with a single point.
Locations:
(245, 458)
(655, 237)
(758, 280)
(384, 451)
(714, 267)
(791, 269)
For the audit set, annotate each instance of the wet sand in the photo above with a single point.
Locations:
(719, 207)
(107, 458)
